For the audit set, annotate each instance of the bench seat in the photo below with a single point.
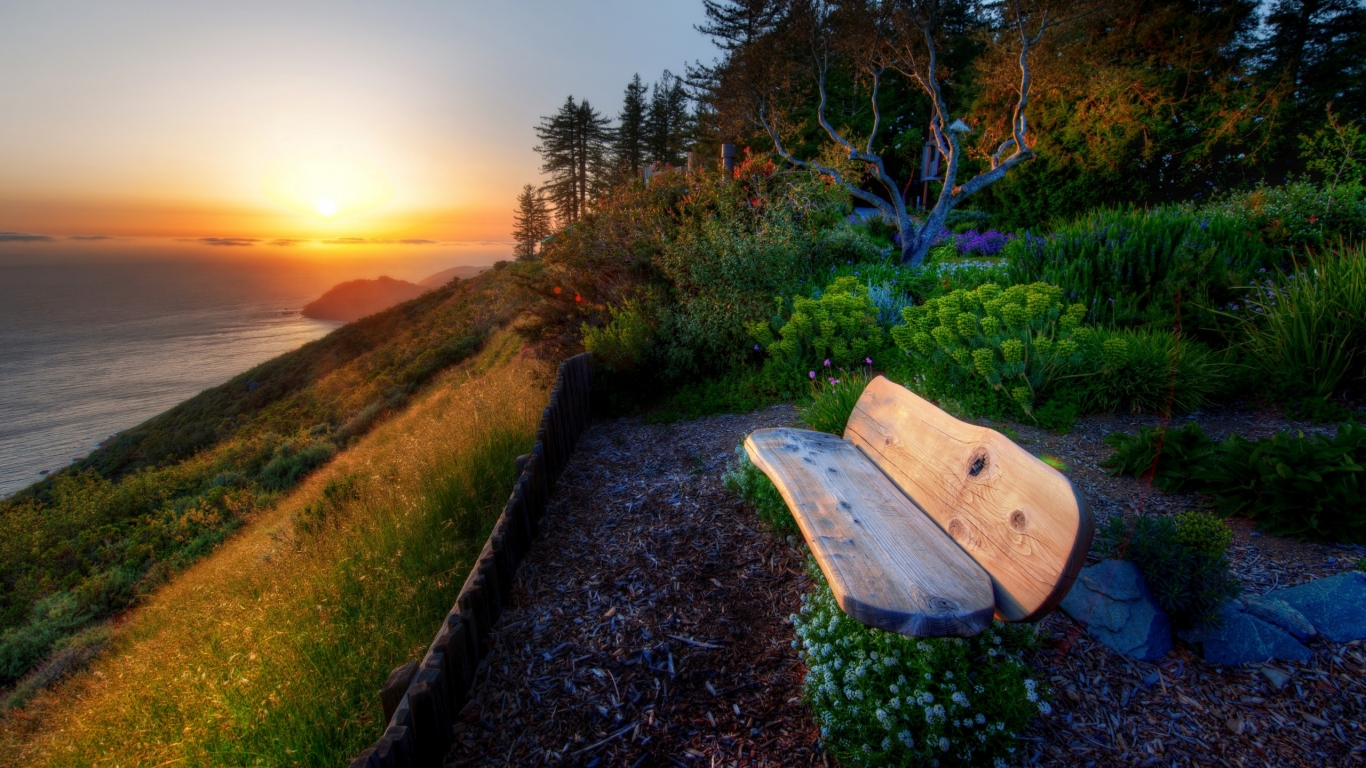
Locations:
(924, 524)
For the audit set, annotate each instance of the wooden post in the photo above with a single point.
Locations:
(459, 660)
(433, 675)
(426, 727)
(394, 688)
(502, 556)
(488, 569)
(474, 600)
(366, 759)
(395, 747)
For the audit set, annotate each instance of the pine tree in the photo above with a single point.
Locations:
(669, 122)
(629, 150)
(574, 145)
(532, 222)
(734, 24)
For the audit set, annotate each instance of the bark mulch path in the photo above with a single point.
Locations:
(650, 628)
(649, 624)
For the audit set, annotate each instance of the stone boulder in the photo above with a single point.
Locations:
(1280, 614)
(1241, 638)
(1336, 606)
(1111, 600)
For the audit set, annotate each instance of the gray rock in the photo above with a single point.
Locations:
(1336, 606)
(1111, 600)
(1279, 613)
(1242, 638)
(1276, 677)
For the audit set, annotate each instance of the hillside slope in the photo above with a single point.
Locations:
(270, 650)
(86, 543)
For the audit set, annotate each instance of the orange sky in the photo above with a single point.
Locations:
(166, 119)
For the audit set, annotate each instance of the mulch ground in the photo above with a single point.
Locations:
(649, 624)
(650, 628)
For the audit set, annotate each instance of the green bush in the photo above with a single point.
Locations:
(622, 344)
(1017, 340)
(293, 459)
(841, 327)
(1295, 486)
(1183, 559)
(833, 399)
(1307, 487)
(755, 489)
(1138, 371)
(1297, 215)
(884, 699)
(1306, 331)
(1170, 458)
(1143, 267)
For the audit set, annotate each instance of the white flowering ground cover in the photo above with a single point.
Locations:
(884, 699)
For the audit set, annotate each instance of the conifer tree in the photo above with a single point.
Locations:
(629, 147)
(574, 146)
(669, 123)
(532, 222)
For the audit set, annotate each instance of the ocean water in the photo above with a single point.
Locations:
(90, 347)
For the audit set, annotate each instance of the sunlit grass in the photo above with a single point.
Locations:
(271, 651)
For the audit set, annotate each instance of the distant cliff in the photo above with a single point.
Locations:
(445, 276)
(355, 299)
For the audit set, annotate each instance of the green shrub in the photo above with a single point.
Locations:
(293, 459)
(884, 699)
(1319, 410)
(1151, 371)
(1296, 486)
(833, 400)
(841, 327)
(755, 489)
(1307, 487)
(1017, 340)
(1306, 331)
(1183, 559)
(622, 344)
(1130, 267)
(1169, 457)
(1297, 215)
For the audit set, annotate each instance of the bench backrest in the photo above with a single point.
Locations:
(1017, 517)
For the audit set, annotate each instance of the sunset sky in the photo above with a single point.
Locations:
(269, 122)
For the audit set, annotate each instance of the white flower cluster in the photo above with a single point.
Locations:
(882, 699)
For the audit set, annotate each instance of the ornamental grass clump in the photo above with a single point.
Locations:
(833, 398)
(1017, 339)
(884, 699)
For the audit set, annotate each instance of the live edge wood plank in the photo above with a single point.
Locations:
(888, 565)
(1019, 518)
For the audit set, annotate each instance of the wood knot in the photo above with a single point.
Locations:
(943, 604)
(958, 529)
(1018, 521)
(977, 463)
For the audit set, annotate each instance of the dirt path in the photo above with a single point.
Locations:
(650, 621)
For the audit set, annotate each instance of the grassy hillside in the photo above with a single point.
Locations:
(270, 650)
(86, 543)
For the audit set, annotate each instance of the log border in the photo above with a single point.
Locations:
(422, 699)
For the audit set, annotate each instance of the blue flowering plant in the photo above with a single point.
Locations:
(884, 699)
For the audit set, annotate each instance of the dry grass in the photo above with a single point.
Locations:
(271, 650)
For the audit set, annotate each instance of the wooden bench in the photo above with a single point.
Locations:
(926, 525)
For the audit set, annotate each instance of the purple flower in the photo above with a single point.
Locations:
(756, 347)
(812, 374)
(868, 360)
(827, 362)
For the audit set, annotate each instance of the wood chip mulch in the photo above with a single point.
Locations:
(650, 621)
(1112, 710)
(650, 628)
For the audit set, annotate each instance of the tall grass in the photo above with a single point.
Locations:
(1307, 329)
(271, 650)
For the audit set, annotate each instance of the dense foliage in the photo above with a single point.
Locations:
(1183, 559)
(1309, 487)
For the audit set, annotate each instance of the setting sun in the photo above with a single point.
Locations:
(326, 183)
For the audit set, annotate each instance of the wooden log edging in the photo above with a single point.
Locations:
(422, 699)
